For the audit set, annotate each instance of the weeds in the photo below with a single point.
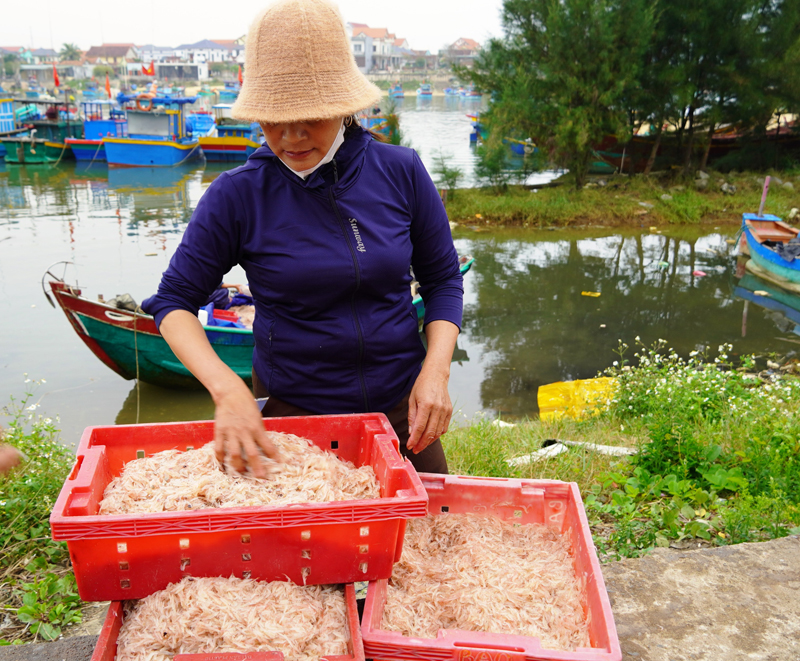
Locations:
(37, 589)
(718, 458)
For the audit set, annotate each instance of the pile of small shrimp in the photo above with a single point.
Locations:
(215, 615)
(173, 481)
(478, 573)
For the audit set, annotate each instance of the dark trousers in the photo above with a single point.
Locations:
(430, 460)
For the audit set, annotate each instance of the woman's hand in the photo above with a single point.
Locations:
(9, 458)
(429, 406)
(239, 431)
(429, 409)
(238, 427)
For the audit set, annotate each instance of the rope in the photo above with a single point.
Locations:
(63, 149)
(187, 156)
(97, 151)
(136, 353)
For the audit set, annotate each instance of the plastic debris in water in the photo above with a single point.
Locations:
(699, 273)
(593, 294)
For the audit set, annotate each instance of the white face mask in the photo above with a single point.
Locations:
(337, 142)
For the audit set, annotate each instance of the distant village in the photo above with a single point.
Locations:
(376, 51)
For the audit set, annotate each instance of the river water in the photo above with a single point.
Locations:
(526, 322)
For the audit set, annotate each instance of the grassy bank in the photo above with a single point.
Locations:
(718, 457)
(38, 597)
(623, 200)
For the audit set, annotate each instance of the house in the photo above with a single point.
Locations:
(375, 49)
(429, 59)
(24, 54)
(113, 54)
(44, 56)
(463, 52)
(361, 45)
(150, 53)
(181, 71)
(204, 51)
(235, 48)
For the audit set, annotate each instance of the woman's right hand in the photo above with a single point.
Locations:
(239, 436)
(239, 428)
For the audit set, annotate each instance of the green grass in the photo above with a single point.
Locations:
(619, 202)
(718, 453)
(37, 587)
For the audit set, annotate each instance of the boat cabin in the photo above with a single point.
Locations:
(227, 126)
(102, 119)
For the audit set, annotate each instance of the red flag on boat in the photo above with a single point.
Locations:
(55, 75)
(108, 87)
(240, 74)
(149, 71)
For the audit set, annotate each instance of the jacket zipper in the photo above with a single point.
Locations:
(360, 360)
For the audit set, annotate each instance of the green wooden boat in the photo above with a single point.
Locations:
(129, 343)
(45, 139)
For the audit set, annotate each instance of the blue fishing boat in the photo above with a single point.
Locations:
(396, 91)
(156, 134)
(199, 123)
(230, 140)
(772, 245)
(101, 119)
(230, 93)
(452, 91)
(7, 123)
(424, 90)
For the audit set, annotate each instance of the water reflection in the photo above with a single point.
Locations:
(525, 310)
(780, 306)
(147, 403)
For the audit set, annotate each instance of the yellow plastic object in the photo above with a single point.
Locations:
(575, 398)
(593, 294)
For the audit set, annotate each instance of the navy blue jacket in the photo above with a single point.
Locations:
(327, 260)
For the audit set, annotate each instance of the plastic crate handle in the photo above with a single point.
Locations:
(231, 656)
(488, 653)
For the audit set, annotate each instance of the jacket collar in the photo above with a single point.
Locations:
(341, 171)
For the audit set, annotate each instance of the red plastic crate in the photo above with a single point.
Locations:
(128, 556)
(523, 501)
(106, 647)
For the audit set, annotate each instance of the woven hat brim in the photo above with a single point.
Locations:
(275, 99)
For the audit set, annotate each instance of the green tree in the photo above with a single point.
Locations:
(11, 64)
(101, 70)
(70, 52)
(562, 72)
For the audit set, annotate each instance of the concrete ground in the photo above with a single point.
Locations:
(732, 603)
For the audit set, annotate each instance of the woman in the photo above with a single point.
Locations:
(326, 222)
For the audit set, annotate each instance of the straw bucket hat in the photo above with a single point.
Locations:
(299, 66)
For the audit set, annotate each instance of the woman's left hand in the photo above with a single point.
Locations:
(429, 406)
(429, 409)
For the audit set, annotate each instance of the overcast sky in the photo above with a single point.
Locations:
(427, 24)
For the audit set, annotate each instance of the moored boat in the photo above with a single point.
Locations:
(101, 119)
(396, 91)
(231, 140)
(127, 340)
(772, 245)
(425, 90)
(156, 134)
(42, 139)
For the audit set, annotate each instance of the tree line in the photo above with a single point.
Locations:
(566, 73)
